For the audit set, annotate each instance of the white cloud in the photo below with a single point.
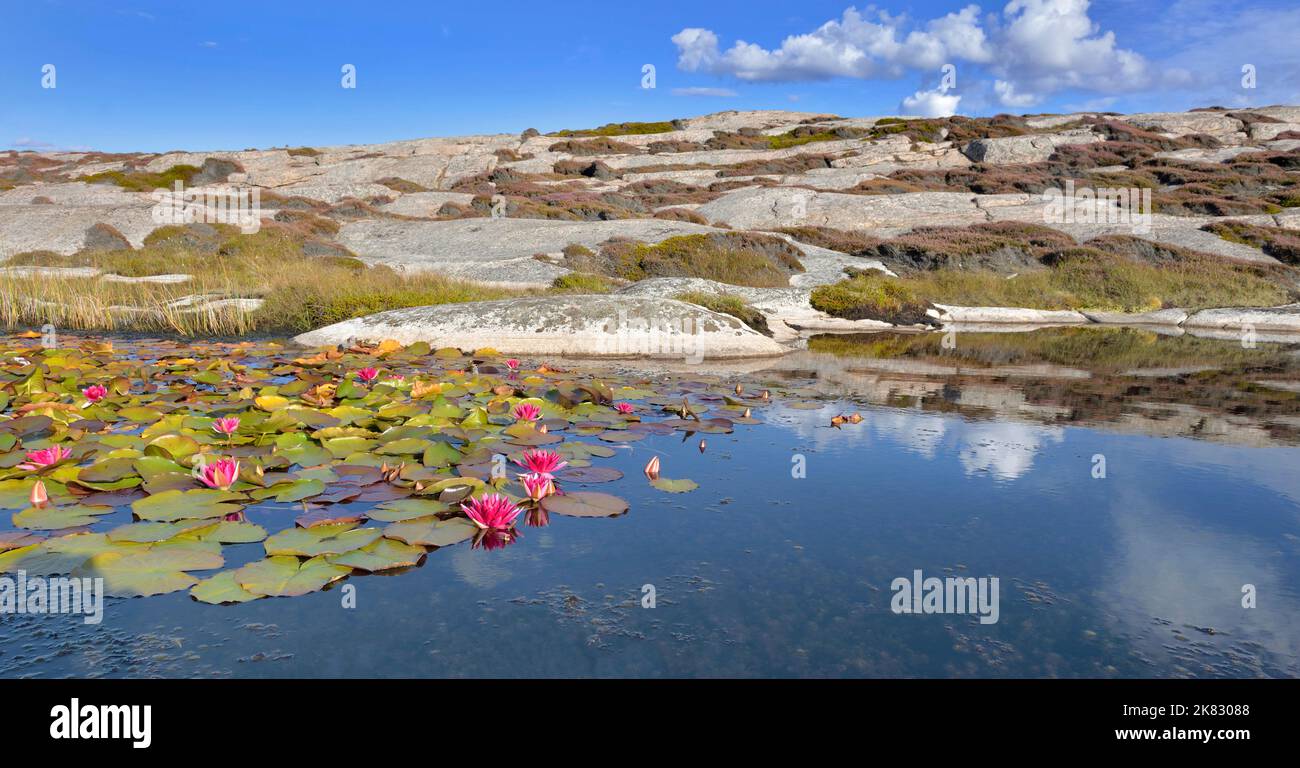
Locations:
(1008, 97)
(936, 103)
(725, 93)
(1049, 45)
(1036, 48)
(27, 142)
(852, 46)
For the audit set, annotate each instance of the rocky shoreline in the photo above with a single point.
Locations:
(760, 208)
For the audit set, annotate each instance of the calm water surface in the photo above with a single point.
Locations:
(980, 463)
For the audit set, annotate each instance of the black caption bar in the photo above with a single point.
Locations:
(157, 717)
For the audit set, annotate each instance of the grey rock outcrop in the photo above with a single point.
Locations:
(575, 326)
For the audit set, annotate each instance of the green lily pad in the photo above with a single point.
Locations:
(287, 576)
(109, 471)
(381, 555)
(58, 518)
(432, 532)
(227, 532)
(406, 509)
(321, 540)
(147, 533)
(41, 560)
(139, 570)
(174, 447)
(584, 504)
(222, 589)
(674, 486)
(196, 504)
(408, 445)
(294, 491)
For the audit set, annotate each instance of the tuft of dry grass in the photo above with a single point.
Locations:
(728, 304)
(1078, 278)
(728, 257)
(298, 291)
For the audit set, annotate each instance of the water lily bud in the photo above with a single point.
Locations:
(652, 468)
(39, 497)
(702, 446)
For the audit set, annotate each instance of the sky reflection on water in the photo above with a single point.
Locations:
(759, 573)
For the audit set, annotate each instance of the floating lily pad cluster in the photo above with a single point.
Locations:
(368, 457)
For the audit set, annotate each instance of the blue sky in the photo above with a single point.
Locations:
(154, 76)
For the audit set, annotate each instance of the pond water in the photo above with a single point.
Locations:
(980, 461)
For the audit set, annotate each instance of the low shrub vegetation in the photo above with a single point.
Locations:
(620, 129)
(1102, 276)
(1281, 244)
(582, 282)
(144, 181)
(298, 291)
(734, 258)
(728, 304)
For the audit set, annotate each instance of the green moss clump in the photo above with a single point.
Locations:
(736, 258)
(728, 304)
(581, 282)
(620, 129)
(872, 296)
(792, 139)
(142, 181)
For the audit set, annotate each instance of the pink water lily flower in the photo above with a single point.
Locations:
(625, 408)
(493, 538)
(45, 457)
(542, 462)
(513, 364)
(491, 512)
(95, 392)
(537, 485)
(368, 374)
(220, 474)
(227, 425)
(527, 412)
